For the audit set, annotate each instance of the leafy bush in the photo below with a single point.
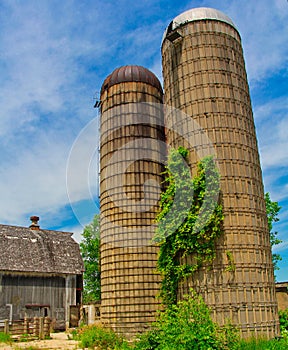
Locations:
(99, 336)
(187, 325)
(5, 338)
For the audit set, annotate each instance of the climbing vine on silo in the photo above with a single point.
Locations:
(189, 221)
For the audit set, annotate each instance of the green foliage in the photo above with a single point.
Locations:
(90, 251)
(283, 319)
(5, 338)
(189, 222)
(187, 325)
(100, 337)
(149, 340)
(229, 336)
(273, 209)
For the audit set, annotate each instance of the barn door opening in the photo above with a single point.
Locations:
(74, 315)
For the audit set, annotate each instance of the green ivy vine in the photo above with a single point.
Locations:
(231, 262)
(189, 221)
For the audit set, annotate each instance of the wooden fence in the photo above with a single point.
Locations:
(37, 326)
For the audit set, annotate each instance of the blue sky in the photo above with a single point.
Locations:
(54, 56)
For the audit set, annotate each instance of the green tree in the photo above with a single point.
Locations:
(90, 251)
(272, 210)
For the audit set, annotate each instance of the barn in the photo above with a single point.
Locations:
(40, 274)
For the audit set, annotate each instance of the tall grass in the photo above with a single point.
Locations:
(263, 344)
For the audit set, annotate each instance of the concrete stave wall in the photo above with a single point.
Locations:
(205, 77)
(130, 184)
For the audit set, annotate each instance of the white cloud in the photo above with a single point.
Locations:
(34, 75)
(82, 166)
(272, 126)
(263, 27)
(43, 106)
(35, 181)
(77, 232)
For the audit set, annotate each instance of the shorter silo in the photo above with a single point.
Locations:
(132, 151)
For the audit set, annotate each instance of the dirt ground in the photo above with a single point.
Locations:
(59, 341)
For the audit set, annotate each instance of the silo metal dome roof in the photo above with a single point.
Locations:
(130, 74)
(197, 14)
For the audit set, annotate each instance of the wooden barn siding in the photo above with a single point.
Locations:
(56, 291)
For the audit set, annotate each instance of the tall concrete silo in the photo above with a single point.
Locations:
(205, 77)
(132, 151)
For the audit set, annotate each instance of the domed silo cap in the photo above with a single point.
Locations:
(131, 73)
(197, 14)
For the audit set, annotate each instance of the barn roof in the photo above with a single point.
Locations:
(42, 251)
